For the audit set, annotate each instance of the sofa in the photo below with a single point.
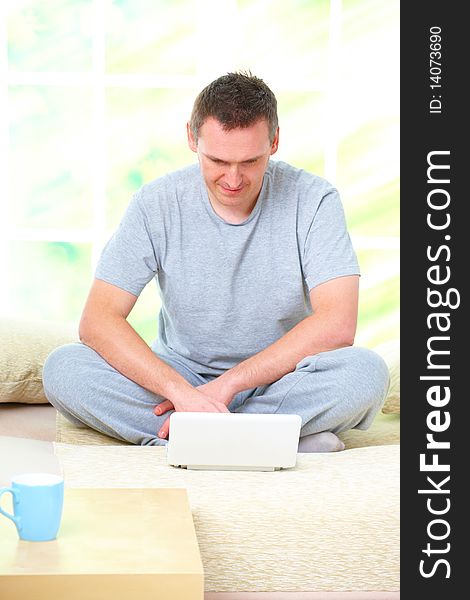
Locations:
(327, 529)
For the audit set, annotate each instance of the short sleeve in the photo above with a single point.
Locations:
(129, 259)
(328, 251)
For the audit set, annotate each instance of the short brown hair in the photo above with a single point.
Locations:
(236, 100)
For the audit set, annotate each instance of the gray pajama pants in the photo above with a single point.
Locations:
(331, 391)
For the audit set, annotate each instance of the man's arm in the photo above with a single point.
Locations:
(104, 328)
(332, 325)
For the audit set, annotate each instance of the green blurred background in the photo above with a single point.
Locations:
(96, 95)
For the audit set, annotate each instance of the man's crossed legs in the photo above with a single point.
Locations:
(331, 391)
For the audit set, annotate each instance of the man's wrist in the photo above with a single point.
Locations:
(173, 389)
(231, 382)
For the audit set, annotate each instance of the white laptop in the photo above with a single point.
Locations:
(233, 441)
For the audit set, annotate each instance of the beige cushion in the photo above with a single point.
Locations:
(390, 352)
(69, 433)
(24, 346)
(332, 523)
(385, 430)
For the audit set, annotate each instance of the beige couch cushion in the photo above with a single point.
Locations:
(390, 352)
(332, 523)
(24, 346)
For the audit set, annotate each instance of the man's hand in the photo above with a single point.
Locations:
(218, 389)
(195, 400)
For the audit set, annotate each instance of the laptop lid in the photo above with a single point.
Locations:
(233, 441)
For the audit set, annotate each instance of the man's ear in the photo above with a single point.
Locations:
(191, 141)
(275, 144)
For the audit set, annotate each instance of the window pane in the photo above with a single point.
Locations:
(379, 297)
(50, 35)
(370, 52)
(369, 60)
(144, 315)
(50, 280)
(50, 170)
(368, 179)
(146, 139)
(151, 37)
(301, 120)
(285, 41)
(368, 157)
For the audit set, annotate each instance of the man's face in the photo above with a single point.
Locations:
(233, 164)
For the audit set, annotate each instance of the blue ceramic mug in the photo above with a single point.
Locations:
(38, 499)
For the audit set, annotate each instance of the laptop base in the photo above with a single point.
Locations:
(225, 468)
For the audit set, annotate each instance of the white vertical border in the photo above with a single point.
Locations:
(5, 242)
(333, 107)
(98, 138)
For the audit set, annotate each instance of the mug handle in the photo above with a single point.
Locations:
(16, 520)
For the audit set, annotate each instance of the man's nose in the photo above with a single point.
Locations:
(234, 177)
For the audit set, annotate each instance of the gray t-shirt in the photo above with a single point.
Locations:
(229, 290)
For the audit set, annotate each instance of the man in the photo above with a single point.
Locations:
(259, 288)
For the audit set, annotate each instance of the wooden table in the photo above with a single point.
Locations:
(113, 543)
